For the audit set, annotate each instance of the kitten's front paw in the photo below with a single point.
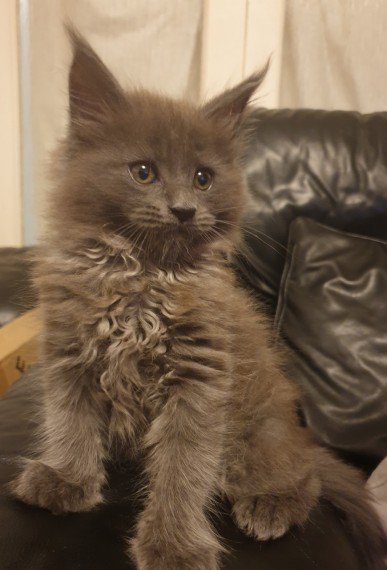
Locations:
(151, 557)
(271, 516)
(44, 487)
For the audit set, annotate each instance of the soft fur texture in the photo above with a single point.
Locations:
(151, 349)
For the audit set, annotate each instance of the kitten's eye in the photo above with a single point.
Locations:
(143, 173)
(203, 179)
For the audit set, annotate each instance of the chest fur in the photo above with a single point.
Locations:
(135, 328)
(135, 335)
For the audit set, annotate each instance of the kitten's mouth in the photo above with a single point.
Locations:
(185, 230)
(170, 235)
(169, 242)
(192, 229)
(190, 234)
(183, 226)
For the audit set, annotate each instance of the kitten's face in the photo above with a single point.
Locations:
(163, 174)
(158, 170)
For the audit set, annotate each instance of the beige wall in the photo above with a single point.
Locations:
(238, 38)
(335, 55)
(10, 150)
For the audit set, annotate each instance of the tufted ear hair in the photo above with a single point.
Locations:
(230, 105)
(93, 90)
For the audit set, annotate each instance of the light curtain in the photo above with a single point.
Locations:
(335, 55)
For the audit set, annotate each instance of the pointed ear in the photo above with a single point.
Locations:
(230, 105)
(93, 90)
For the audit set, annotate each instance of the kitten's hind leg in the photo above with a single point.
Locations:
(69, 474)
(271, 515)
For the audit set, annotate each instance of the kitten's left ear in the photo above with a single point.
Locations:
(230, 105)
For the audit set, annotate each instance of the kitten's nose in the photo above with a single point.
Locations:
(183, 214)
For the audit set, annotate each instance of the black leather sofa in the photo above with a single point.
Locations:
(321, 284)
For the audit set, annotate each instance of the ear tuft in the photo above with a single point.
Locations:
(93, 90)
(230, 105)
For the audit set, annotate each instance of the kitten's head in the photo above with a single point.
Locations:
(164, 174)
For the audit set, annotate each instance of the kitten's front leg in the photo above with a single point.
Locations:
(185, 445)
(69, 474)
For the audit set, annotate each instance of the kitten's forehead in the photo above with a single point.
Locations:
(174, 129)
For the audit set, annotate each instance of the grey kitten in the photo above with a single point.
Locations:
(150, 347)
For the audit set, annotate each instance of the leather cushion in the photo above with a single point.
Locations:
(330, 166)
(332, 310)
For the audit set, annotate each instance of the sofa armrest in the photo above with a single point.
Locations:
(16, 291)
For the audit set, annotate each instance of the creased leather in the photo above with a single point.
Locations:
(330, 166)
(332, 310)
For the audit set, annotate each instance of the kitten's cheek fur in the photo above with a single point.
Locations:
(40, 485)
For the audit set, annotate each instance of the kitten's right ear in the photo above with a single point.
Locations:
(229, 106)
(93, 90)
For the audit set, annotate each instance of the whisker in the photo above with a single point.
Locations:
(243, 228)
(255, 235)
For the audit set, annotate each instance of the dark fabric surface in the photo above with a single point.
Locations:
(34, 539)
(332, 309)
(330, 166)
(16, 294)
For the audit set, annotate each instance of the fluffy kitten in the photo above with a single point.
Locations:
(150, 348)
